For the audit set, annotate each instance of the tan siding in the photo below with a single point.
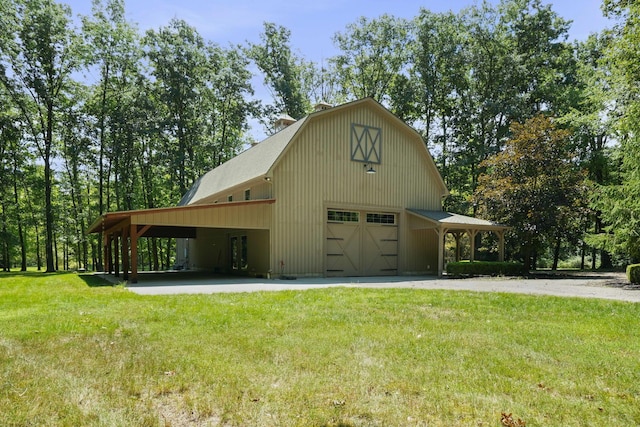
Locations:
(230, 216)
(317, 172)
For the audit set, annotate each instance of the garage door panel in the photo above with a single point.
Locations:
(366, 244)
(343, 249)
(381, 246)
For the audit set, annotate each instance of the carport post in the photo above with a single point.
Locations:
(116, 256)
(442, 233)
(125, 253)
(133, 234)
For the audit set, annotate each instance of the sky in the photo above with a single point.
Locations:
(312, 23)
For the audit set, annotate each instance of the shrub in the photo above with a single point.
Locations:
(633, 273)
(485, 268)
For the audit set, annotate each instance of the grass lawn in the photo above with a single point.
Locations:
(75, 353)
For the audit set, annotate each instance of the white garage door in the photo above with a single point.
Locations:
(361, 243)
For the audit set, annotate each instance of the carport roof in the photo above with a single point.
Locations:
(114, 220)
(451, 221)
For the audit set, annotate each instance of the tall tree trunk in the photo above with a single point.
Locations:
(556, 253)
(6, 261)
(23, 245)
(48, 205)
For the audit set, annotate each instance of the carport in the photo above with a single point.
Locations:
(121, 230)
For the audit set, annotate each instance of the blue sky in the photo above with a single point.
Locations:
(312, 23)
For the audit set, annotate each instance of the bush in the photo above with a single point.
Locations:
(485, 268)
(633, 273)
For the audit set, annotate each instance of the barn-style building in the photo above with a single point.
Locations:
(349, 190)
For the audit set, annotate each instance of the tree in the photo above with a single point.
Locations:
(178, 58)
(37, 61)
(373, 56)
(283, 71)
(619, 201)
(533, 185)
(439, 72)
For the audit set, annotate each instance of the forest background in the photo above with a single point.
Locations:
(526, 127)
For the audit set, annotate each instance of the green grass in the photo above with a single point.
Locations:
(75, 353)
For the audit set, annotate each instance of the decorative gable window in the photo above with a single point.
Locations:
(366, 144)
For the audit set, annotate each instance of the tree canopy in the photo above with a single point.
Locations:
(97, 116)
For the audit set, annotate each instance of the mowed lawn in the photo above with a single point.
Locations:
(76, 353)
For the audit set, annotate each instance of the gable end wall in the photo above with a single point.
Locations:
(316, 172)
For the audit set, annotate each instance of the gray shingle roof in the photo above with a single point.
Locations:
(455, 220)
(246, 166)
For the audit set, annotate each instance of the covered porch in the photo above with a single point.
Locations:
(122, 230)
(444, 223)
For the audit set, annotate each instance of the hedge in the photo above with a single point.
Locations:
(486, 268)
(633, 273)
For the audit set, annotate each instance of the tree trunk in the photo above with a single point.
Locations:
(556, 253)
(48, 205)
(6, 261)
(23, 245)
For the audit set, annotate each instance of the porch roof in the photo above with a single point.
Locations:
(453, 221)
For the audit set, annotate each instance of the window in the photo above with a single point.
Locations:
(366, 144)
(247, 194)
(229, 198)
(343, 216)
(379, 218)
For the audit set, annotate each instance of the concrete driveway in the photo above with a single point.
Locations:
(611, 286)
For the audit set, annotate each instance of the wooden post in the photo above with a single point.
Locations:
(442, 233)
(105, 253)
(125, 253)
(116, 256)
(133, 234)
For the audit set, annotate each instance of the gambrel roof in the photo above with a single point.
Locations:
(257, 162)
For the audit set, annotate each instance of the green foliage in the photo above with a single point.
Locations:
(618, 201)
(486, 268)
(533, 185)
(372, 56)
(633, 273)
(283, 71)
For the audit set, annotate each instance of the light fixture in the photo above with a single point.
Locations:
(369, 168)
(267, 178)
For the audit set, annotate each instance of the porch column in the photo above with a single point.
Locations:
(472, 241)
(106, 248)
(133, 235)
(116, 259)
(125, 253)
(442, 233)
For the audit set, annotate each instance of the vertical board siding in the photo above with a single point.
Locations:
(239, 216)
(317, 172)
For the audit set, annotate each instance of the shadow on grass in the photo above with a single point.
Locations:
(30, 273)
(94, 281)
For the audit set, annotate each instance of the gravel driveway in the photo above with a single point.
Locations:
(612, 286)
